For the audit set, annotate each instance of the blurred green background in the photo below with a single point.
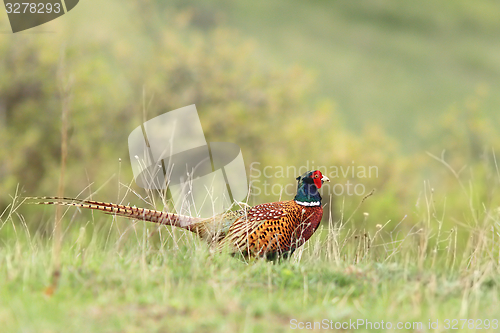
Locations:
(369, 83)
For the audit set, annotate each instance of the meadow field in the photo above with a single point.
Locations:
(119, 276)
(396, 102)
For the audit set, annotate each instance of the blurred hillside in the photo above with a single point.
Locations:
(393, 63)
(329, 84)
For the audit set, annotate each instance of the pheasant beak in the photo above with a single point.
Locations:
(325, 179)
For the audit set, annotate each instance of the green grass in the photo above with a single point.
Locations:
(120, 276)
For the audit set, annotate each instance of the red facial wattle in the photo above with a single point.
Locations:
(317, 176)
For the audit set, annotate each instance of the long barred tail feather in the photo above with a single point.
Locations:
(142, 214)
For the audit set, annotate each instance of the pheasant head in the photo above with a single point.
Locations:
(307, 188)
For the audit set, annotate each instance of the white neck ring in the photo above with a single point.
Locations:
(309, 204)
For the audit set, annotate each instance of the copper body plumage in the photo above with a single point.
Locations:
(265, 230)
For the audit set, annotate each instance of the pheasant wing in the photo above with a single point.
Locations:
(260, 229)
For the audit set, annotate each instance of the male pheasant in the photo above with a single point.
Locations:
(267, 230)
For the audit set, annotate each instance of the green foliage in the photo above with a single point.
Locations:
(120, 74)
